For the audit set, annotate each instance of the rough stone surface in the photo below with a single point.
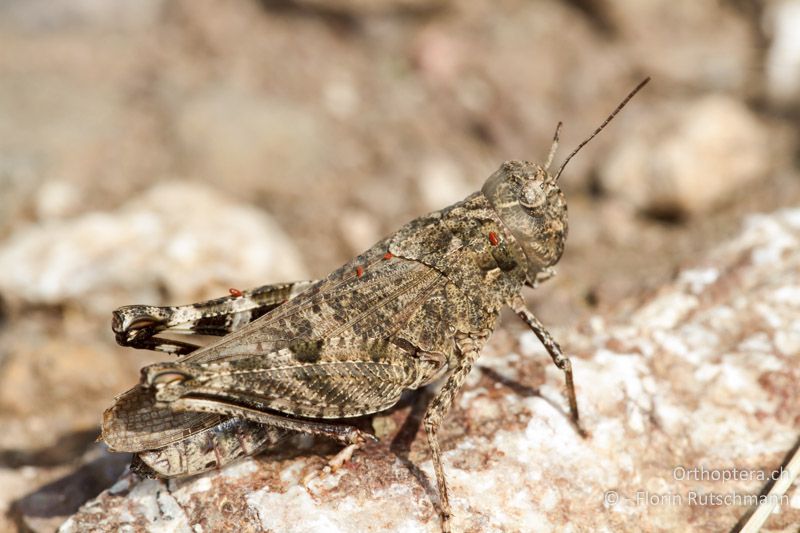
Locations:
(184, 236)
(701, 376)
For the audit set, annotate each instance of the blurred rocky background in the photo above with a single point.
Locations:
(161, 152)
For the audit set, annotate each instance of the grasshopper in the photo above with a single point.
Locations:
(299, 357)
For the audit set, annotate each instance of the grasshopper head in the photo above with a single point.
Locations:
(531, 205)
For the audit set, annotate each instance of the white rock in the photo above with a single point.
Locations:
(526, 468)
(184, 236)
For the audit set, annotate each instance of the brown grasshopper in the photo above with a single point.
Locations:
(418, 305)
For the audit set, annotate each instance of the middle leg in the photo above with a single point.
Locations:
(469, 348)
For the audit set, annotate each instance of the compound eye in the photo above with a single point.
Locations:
(532, 195)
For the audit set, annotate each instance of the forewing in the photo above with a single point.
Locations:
(369, 298)
(330, 353)
(346, 378)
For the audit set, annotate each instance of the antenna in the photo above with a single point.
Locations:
(603, 125)
(553, 147)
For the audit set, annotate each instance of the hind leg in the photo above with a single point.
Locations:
(136, 326)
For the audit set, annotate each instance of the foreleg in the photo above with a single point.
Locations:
(552, 347)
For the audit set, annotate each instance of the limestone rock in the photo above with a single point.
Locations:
(185, 237)
(700, 378)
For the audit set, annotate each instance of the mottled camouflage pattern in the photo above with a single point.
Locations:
(197, 445)
(417, 305)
